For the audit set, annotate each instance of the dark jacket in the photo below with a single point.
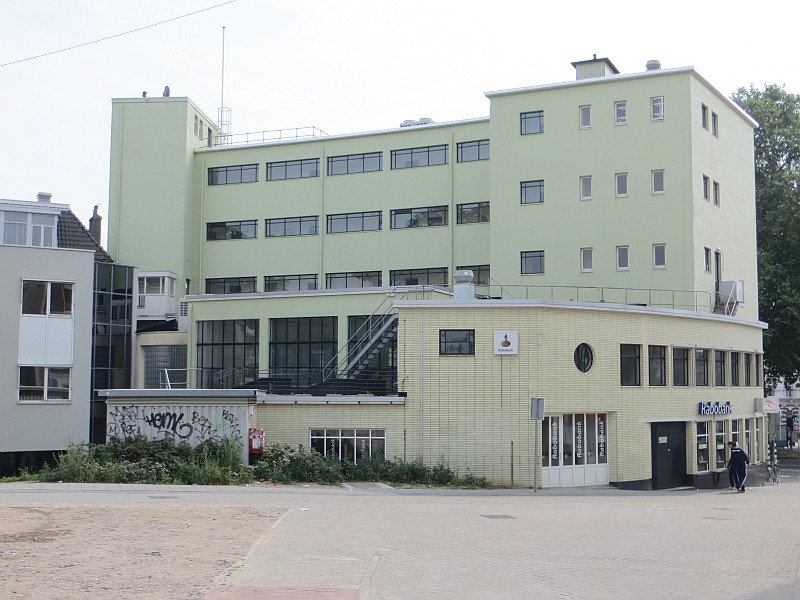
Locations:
(738, 459)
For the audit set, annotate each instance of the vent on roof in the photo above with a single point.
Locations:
(413, 123)
(44, 196)
(653, 65)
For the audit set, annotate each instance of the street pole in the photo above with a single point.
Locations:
(535, 454)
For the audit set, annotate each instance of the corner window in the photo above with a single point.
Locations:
(657, 108)
(586, 260)
(705, 187)
(42, 384)
(531, 122)
(532, 262)
(586, 188)
(658, 182)
(46, 298)
(680, 367)
(472, 151)
(585, 117)
(427, 156)
(235, 174)
(293, 169)
(531, 192)
(704, 116)
(232, 230)
(620, 113)
(621, 180)
(629, 364)
(456, 341)
(657, 365)
(407, 218)
(701, 367)
(622, 258)
(476, 212)
(659, 256)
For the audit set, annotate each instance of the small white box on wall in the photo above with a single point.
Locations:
(506, 342)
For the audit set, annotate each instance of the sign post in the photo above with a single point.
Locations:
(537, 415)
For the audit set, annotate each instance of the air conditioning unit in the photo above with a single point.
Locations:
(733, 290)
(141, 302)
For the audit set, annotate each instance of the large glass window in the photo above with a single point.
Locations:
(427, 156)
(230, 285)
(227, 352)
(657, 362)
(355, 163)
(360, 279)
(701, 367)
(456, 341)
(480, 273)
(299, 347)
(680, 366)
(569, 440)
(431, 216)
(235, 174)
(719, 444)
(290, 283)
(475, 212)
(292, 226)
(165, 366)
(41, 384)
(293, 169)
(532, 262)
(46, 298)
(629, 364)
(349, 444)
(232, 230)
(719, 368)
(531, 122)
(531, 192)
(435, 276)
(15, 228)
(359, 221)
(702, 447)
(471, 151)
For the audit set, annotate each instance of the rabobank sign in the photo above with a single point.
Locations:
(706, 408)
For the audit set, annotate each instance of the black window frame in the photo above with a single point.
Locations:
(479, 145)
(418, 155)
(231, 282)
(481, 209)
(748, 369)
(419, 217)
(720, 379)
(352, 161)
(736, 368)
(481, 273)
(230, 227)
(274, 168)
(583, 357)
(657, 365)
(529, 255)
(630, 365)
(347, 217)
(680, 356)
(419, 274)
(227, 333)
(269, 280)
(284, 221)
(535, 184)
(215, 173)
(297, 342)
(454, 347)
(701, 357)
(362, 275)
(533, 119)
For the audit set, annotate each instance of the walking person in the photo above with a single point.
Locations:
(737, 465)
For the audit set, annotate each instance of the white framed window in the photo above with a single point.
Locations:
(586, 260)
(704, 116)
(586, 187)
(29, 229)
(657, 108)
(705, 187)
(707, 260)
(621, 185)
(659, 256)
(620, 113)
(585, 117)
(715, 193)
(44, 384)
(658, 181)
(622, 258)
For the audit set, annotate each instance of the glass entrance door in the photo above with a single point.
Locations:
(575, 450)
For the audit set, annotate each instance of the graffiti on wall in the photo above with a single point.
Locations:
(130, 421)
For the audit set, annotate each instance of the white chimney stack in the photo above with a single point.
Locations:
(44, 196)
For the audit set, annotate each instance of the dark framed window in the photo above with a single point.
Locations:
(472, 151)
(701, 367)
(230, 285)
(293, 169)
(475, 212)
(758, 370)
(532, 262)
(680, 366)
(436, 276)
(355, 163)
(657, 365)
(302, 342)
(430, 216)
(362, 279)
(291, 226)
(232, 230)
(531, 122)
(290, 283)
(629, 364)
(583, 357)
(531, 192)
(426, 156)
(358, 221)
(40, 384)
(227, 352)
(748, 369)
(235, 174)
(46, 298)
(456, 341)
(719, 368)
(349, 445)
(480, 273)
(736, 368)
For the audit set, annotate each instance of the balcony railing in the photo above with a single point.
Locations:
(266, 137)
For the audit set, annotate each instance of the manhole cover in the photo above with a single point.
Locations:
(498, 517)
(162, 497)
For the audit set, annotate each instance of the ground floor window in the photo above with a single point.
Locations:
(349, 444)
(702, 447)
(578, 439)
(757, 454)
(735, 431)
(719, 444)
(747, 437)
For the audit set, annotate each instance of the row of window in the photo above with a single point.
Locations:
(43, 384)
(704, 121)
(533, 122)
(621, 185)
(711, 190)
(201, 131)
(408, 158)
(729, 368)
(29, 229)
(721, 455)
(622, 258)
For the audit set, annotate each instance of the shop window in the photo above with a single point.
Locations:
(456, 341)
(629, 362)
(583, 358)
(701, 367)
(719, 445)
(702, 447)
(719, 368)
(574, 440)
(680, 366)
(657, 365)
(747, 429)
(735, 431)
(349, 445)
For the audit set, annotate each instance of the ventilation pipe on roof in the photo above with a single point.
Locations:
(653, 65)
(44, 196)
(464, 289)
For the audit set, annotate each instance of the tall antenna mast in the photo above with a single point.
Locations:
(224, 116)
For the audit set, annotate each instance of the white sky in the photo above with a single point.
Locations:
(341, 65)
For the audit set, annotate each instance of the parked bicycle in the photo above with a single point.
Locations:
(773, 475)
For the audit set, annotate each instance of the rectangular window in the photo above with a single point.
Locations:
(290, 283)
(291, 226)
(43, 384)
(621, 185)
(659, 256)
(622, 258)
(680, 366)
(200, 130)
(748, 370)
(231, 285)
(456, 341)
(707, 259)
(658, 182)
(701, 367)
(427, 156)
(657, 108)
(430, 216)
(475, 212)
(705, 188)
(435, 276)
(472, 151)
(735, 432)
(227, 352)
(714, 124)
(586, 188)
(480, 273)
(235, 174)
(195, 124)
(719, 368)
(735, 369)
(657, 365)
(299, 347)
(355, 163)
(349, 445)
(532, 262)
(531, 122)
(702, 446)
(719, 445)
(532, 192)
(620, 113)
(586, 260)
(629, 360)
(43, 229)
(704, 116)
(585, 117)
(46, 298)
(758, 378)
(293, 169)
(15, 228)
(362, 279)
(359, 221)
(232, 230)
(715, 193)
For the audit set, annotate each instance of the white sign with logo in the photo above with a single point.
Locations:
(506, 342)
(771, 405)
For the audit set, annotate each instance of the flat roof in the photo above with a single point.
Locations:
(323, 292)
(183, 393)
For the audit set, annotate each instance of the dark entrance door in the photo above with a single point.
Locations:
(669, 455)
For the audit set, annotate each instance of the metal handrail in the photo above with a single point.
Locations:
(263, 137)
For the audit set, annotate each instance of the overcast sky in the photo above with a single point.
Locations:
(341, 65)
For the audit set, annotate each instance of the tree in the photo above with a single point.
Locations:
(777, 164)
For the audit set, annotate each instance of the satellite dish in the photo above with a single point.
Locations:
(166, 92)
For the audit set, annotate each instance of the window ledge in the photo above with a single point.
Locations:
(44, 402)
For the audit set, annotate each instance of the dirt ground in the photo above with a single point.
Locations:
(123, 552)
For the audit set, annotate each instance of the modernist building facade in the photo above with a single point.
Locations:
(295, 264)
